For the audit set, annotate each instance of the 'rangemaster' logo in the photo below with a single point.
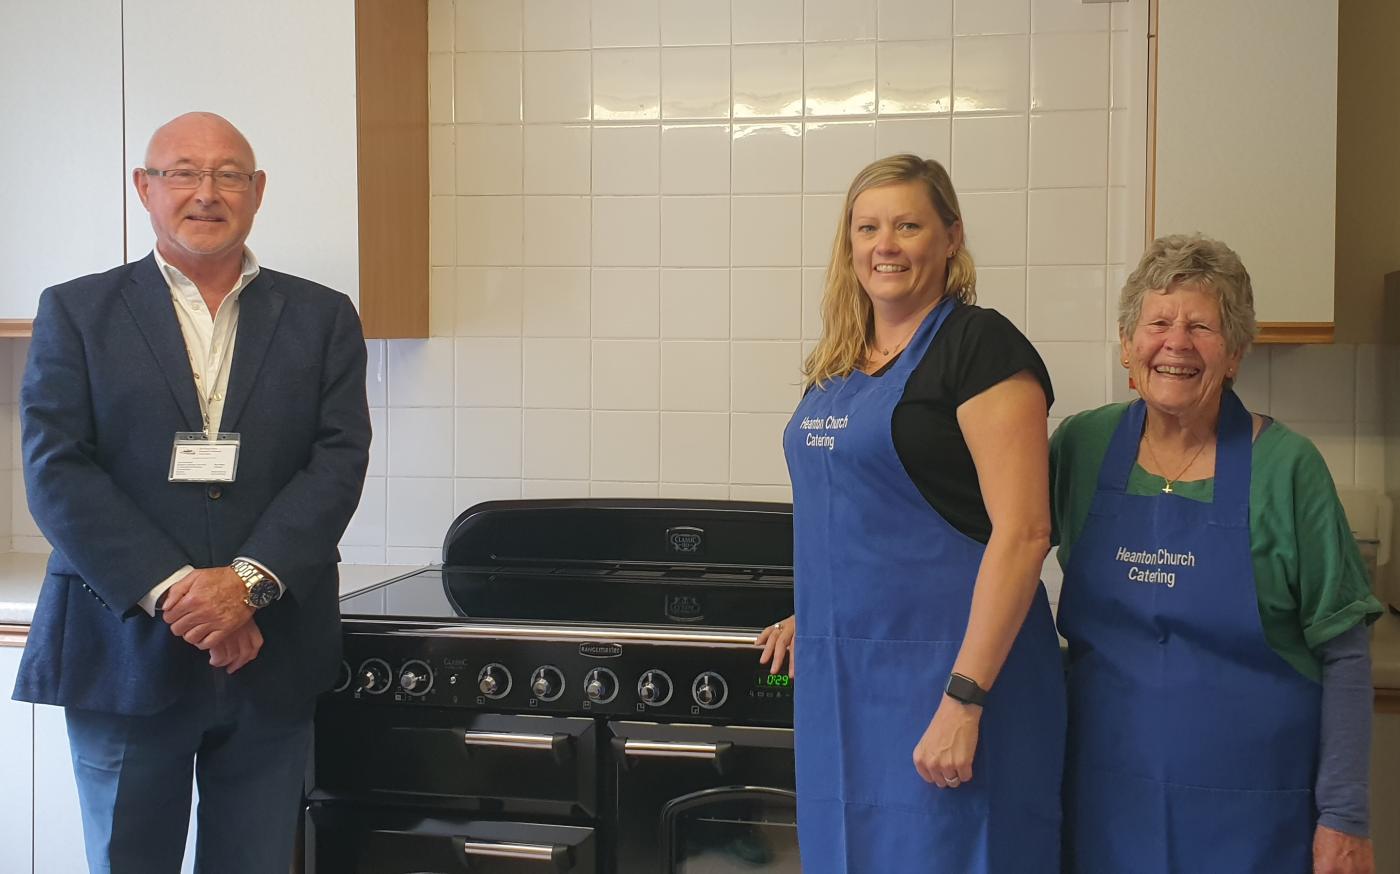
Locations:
(600, 650)
(684, 608)
(686, 539)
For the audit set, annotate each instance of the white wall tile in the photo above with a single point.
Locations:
(420, 441)
(1067, 226)
(626, 159)
(626, 232)
(364, 554)
(694, 159)
(820, 213)
(557, 159)
(1313, 383)
(995, 223)
(695, 82)
(366, 527)
(833, 152)
(468, 492)
(1077, 374)
(1049, 16)
(412, 555)
(557, 86)
(489, 230)
(772, 21)
(1120, 148)
(598, 489)
(626, 303)
(559, 231)
(626, 375)
(22, 524)
(989, 152)
(1252, 381)
(556, 373)
(971, 17)
(1003, 289)
(488, 442)
(925, 137)
(1069, 71)
(442, 159)
(379, 442)
(1119, 392)
(488, 302)
(695, 447)
(1370, 456)
(1065, 303)
(756, 453)
(766, 376)
(556, 444)
(625, 446)
(695, 304)
(1123, 74)
(840, 78)
(554, 488)
(916, 77)
(687, 23)
(626, 23)
(556, 302)
(626, 84)
(489, 371)
(1370, 379)
(442, 231)
(695, 491)
(376, 375)
(781, 494)
(1123, 243)
(695, 231)
(915, 19)
(420, 373)
(440, 88)
(481, 25)
(767, 80)
(813, 285)
(695, 376)
(1337, 443)
(767, 158)
(418, 511)
(992, 74)
(556, 24)
(440, 26)
(442, 302)
(766, 231)
(828, 20)
(1069, 149)
(766, 304)
(486, 87)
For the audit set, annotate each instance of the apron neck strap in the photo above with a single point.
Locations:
(923, 336)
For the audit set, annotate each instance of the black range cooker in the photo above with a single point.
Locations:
(575, 689)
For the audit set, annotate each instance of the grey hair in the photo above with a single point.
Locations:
(1195, 261)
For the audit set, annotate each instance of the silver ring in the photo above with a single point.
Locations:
(954, 782)
(777, 625)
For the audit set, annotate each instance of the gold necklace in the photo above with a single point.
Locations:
(1167, 489)
(902, 343)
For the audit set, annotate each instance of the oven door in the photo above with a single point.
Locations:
(352, 839)
(700, 799)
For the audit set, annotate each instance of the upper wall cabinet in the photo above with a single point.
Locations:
(61, 109)
(1246, 146)
(283, 73)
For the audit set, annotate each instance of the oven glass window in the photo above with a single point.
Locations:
(733, 830)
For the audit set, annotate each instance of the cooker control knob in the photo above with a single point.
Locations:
(494, 681)
(654, 688)
(416, 678)
(547, 683)
(709, 690)
(600, 685)
(375, 676)
(343, 681)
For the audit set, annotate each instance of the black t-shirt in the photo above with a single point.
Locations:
(973, 351)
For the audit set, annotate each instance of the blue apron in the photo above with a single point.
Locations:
(1193, 744)
(883, 589)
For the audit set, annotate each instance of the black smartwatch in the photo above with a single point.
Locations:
(964, 689)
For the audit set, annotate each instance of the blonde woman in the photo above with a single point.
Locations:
(930, 707)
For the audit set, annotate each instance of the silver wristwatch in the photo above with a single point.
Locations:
(262, 589)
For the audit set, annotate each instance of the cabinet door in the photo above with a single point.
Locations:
(284, 74)
(61, 102)
(16, 771)
(1247, 142)
(1385, 794)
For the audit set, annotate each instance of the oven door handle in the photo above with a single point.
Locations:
(719, 753)
(557, 856)
(560, 745)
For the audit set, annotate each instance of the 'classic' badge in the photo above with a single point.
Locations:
(686, 539)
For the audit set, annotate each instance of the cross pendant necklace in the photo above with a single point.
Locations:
(1167, 489)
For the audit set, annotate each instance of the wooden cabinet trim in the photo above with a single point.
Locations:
(14, 635)
(10, 328)
(1295, 332)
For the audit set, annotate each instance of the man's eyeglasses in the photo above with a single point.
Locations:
(224, 180)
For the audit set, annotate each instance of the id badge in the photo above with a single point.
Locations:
(197, 457)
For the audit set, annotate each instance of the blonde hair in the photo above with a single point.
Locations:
(847, 316)
(1193, 261)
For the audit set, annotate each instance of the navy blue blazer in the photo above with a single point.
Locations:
(107, 385)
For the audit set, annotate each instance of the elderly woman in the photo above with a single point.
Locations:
(1214, 602)
(930, 711)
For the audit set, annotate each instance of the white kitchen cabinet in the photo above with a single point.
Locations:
(1246, 142)
(16, 771)
(284, 74)
(61, 106)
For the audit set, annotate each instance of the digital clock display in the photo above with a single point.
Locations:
(766, 680)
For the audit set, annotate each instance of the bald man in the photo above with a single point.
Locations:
(195, 437)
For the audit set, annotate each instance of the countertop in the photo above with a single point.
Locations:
(22, 573)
